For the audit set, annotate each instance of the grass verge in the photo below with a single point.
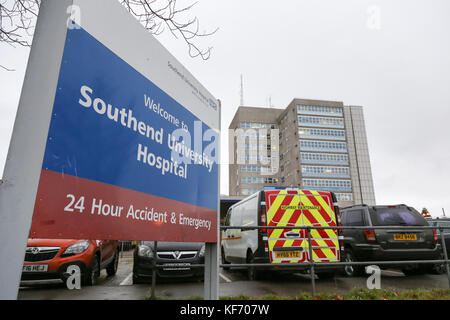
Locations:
(354, 294)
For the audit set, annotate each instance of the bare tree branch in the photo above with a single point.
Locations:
(154, 18)
(18, 18)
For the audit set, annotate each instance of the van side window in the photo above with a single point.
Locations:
(354, 218)
(227, 219)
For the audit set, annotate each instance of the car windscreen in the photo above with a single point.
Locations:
(396, 217)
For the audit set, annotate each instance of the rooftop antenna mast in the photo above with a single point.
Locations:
(242, 90)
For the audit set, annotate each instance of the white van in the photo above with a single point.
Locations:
(283, 207)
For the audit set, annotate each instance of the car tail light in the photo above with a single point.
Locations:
(370, 236)
(337, 211)
(435, 236)
(338, 218)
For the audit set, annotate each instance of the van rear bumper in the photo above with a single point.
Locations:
(295, 267)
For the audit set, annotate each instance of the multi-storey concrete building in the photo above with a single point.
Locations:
(321, 145)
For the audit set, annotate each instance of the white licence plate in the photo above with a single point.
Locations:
(176, 266)
(35, 268)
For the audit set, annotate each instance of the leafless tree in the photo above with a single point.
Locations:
(18, 17)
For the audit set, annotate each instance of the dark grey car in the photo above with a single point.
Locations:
(176, 259)
(393, 244)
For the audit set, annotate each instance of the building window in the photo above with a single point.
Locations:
(328, 184)
(323, 158)
(320, 110)
(328, 134)
(258, 169)
(257, 125)
(344, 196)
(320, 171)
(313, 145)
(247, 191)
(259, 180)
(312, 121)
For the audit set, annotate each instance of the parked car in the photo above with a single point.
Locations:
(441, 222)
(393, 244)
(283, 207)
(47, 259)
(176, 257)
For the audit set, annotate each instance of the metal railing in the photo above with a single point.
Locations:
(312, 264)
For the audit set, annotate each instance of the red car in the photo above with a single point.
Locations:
(47, 259)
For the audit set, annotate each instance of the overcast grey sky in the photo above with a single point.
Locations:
(392, 57)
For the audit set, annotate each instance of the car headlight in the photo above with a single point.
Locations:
(145, 251)
(76, 248)
(201, 253)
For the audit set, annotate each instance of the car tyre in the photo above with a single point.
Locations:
(111, 269)
(136, 279)
(349, 270)
(438, 268)
(224, 261)
(252, 272)
(412, 270)
(93, 272)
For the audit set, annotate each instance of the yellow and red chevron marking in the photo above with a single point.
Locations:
(302, 208)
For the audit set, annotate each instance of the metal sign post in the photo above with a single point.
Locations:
(26, 149)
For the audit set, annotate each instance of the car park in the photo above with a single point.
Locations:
(441, 222)
(48, 259)
(290, 208)
(175, 258)
(392, 244)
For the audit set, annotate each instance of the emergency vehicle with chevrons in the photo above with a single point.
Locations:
(287, 247)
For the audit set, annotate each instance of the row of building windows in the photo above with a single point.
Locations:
(261, 180)
(257, 125)
(248, 191)
(323, 145)
(328, 184)
(253, 134)
(255, 168)
(324, 158)
(326, 171)
(253, 158)
(334, 111)
(252, 146)
(322, 133)
(344, 196)
(321, 121)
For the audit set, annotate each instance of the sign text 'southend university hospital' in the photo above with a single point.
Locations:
(124, 158)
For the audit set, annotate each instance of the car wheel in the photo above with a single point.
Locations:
(111, 269)
(93, 272)
(224, 261)
(252, 272)
(411, 270)
(438, 268)
(351, 270)
(136, 279)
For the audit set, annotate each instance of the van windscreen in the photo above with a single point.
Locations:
(396, 217)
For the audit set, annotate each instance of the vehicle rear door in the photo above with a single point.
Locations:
(296, 208)
(398, 238)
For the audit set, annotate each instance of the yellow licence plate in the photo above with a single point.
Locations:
(287, 254)
(405, 236)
